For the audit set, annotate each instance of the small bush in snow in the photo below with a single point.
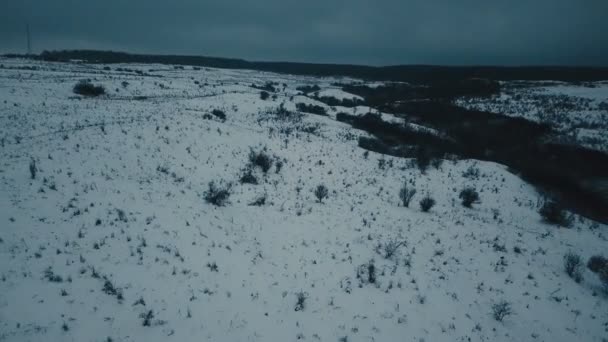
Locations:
(248, 177)
(87, 88)
(33, 168)
(219, 114)
(321, 193)
(573, 264)
(469, 196)
(406, 194)
(501, 310)
(552, 212)
(423, 159)
(366, 273)
(471, 173)
(427, 203)
(147, 318)
(313, 109)
(51, 276)
(389, 249)
(264, 95)
(599, 265)
(301, 297)
(217, 194)
(278, 165)
(261, 159)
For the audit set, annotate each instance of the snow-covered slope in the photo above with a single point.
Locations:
(578, 111)
(113, 240)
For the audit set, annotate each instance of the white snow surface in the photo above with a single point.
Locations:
(119, 195)
(578, 111)
(337, 93)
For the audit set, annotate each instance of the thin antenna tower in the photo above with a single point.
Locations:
(29, 42)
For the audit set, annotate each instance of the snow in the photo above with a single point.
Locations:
(578, 111)
(337, 93)
(141, 166)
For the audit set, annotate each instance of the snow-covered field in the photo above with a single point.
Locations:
(578, 111)
(113, 239)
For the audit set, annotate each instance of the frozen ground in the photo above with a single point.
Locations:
(113, 240)
(578, 111)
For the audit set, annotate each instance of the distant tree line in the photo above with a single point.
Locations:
(404, 73)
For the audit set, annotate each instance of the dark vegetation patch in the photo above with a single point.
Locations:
(268, 87)
(219, 114)
(333, 102)
(311, 108)
(86, 88)
(554, 213)
(575, 175)
(217, 193)
(402, 73)
(261, 159)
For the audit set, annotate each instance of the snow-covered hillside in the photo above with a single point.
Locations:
(578, 111)
(105, 233)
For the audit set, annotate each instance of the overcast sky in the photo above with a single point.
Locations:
(380, 32)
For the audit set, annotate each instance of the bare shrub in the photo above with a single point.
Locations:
(261, 159)
(86, 88)
(573, 264)
(406, 194)
(427, 203)
(321, 192)
(501, 310)
(217, 194)
(552, 212)
(469, 196)
(219, 114)
(599, 265)
(33, 168)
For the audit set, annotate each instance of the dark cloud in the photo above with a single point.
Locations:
(377, 32)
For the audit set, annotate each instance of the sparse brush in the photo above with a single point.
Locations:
(599, 265)
(301, 299)
(552, 212)
(321, 192)
(423, 159)
(219, 114)
(108, 287)
(390, 248)
(573, 264)
(469, 196)
(366, 273)
(310, 108)
(427, 203)
(261, 159)
(406, 194)
(501, 310)
(51, 276)
(33, 168)
(86, 88)
(371, 273)
(248, 177)
(147, 318)
(217, 194)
